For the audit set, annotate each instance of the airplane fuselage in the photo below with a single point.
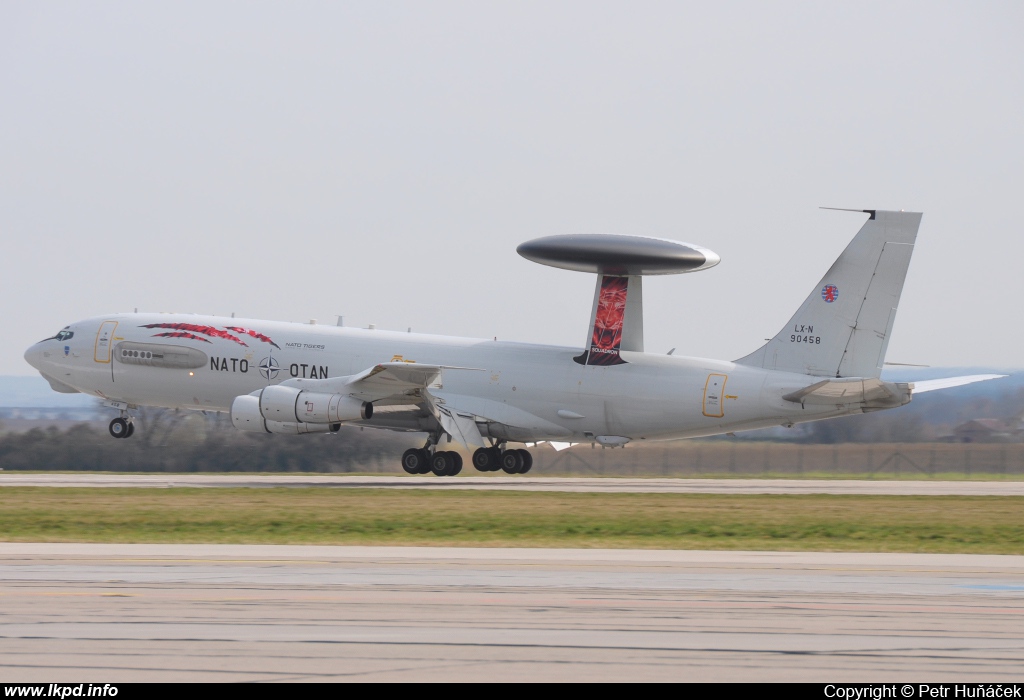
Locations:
(649, 397)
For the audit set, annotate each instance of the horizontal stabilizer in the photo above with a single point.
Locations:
(873, 393)
(950, 382)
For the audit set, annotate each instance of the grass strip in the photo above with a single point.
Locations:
(987, 524)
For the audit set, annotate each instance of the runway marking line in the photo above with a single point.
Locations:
(508, 593)
(501, 564)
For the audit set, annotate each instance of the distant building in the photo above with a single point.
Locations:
(987, 430)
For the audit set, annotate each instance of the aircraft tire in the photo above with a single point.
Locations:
(495, 459)
(131, 430)
(442, 464)
(118, 428)
(416, 461)
(527, 461)
(511, 461)
(457, 458)
(425, 465)
(482, 459)
(486, 459)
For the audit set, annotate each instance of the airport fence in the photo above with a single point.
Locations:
(198, 446)
(753, 459)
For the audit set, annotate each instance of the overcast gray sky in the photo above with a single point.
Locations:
(383, 160)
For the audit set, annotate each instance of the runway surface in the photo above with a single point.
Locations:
(523, 483)
(117, 613)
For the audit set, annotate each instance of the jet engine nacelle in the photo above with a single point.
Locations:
(246, 415)
(287, 404)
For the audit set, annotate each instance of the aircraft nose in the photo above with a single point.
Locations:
(34, 355)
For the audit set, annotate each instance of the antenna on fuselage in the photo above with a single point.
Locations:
(620, 262)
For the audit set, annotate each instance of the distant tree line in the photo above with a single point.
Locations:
(170, 441)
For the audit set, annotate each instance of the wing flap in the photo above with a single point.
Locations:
(496, 412)
(461, 427)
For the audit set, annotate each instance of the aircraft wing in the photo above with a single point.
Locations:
(390, 378)
(382, 381)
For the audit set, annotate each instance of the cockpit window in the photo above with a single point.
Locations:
(64, 334)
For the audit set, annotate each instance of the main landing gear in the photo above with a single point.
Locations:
(121, 428)
(421, 461)
(486, 459)
(491, 459)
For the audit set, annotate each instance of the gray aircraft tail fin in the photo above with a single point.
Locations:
(842, 329)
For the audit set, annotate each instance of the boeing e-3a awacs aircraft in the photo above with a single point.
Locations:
(483, 394)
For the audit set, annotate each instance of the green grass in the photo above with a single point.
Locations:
(514, 519)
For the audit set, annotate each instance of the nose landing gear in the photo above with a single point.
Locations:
(121, 428)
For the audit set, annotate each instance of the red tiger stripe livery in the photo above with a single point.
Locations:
(254, 334)
(195, 328)
(181, 334)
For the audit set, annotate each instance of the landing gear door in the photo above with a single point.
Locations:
(714, 394)
(103, 341)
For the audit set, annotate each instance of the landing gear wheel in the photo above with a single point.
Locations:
(442, 464)
(118, 428)
(131, 430)
(527, 461)
(495, 459)
(487, 459)
(511, 461)
(457, 458)
(416, 461)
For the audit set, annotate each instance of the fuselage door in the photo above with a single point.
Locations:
(714, 395)
(103, 341)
